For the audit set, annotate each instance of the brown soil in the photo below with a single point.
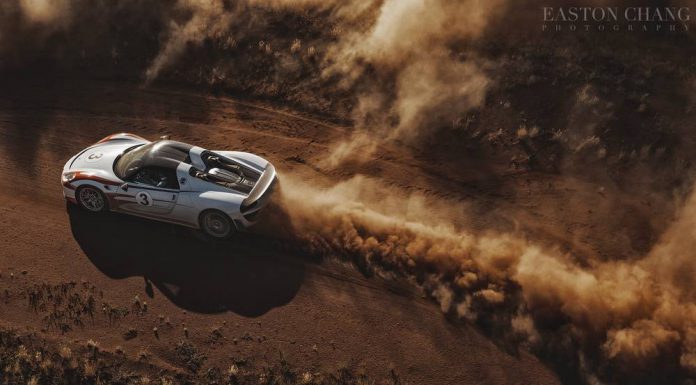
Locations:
(253, 298)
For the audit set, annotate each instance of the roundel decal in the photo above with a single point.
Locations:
(95, 156)
(143, 198)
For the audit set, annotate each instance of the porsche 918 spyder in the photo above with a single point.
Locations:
(217, 192)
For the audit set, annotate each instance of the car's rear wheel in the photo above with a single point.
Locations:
(216, 224)
(91, 199)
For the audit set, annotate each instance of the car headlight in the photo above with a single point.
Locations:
(69, 176)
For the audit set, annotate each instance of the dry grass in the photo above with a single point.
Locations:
(130, 334)
(47, 364)
(215, 336)
(189, 356)
(63, 306)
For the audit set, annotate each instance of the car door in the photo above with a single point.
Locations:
(149, 196)
(185, 211)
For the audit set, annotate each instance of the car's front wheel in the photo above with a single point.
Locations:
(216, 224)
(91, 199)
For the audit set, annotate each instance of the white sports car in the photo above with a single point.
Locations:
(215, 191)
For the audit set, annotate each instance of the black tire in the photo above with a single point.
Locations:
(216, 224)
(91, 199)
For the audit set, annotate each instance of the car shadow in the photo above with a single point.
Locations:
(247, 275)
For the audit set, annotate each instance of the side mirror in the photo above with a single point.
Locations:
(124, 187)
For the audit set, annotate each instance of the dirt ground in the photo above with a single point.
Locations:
(253, 298)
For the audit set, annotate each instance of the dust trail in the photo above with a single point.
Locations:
(408, 46)
(208, 18)
(619, 313)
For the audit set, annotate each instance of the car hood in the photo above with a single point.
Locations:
(99, 157)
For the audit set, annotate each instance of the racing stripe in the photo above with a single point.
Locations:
(79, 175)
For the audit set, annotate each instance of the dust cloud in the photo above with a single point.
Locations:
(397, 58)
(619, 313)
(46, 11)
(407, 47)
(208, 18)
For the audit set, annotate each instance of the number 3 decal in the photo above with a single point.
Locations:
(143, 198)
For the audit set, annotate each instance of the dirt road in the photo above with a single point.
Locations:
(251, 298)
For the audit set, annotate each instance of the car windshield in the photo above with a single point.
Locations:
(131, 160)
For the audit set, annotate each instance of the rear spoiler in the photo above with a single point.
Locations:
(262, 185)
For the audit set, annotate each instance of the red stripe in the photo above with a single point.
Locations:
(86, 176)
(108, 138)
